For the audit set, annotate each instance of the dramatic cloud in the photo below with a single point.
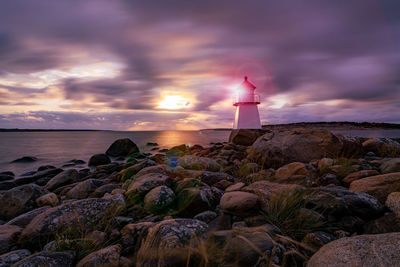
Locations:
(121, 64)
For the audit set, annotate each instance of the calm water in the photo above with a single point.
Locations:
(56, 148)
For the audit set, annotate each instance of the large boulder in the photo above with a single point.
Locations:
(139, 187)
(8, 237)
(86, 213)
(122, 147)
(379, 186)
(362, 250)
(276, 148)
(199, 163)
(239, 203)
(381, 146)
(391, 165)
(244, 137)
(342, 202)
(159, 199)
(19, 200)
(166, 240)
(99, 159)
(193, 200)
(12, 257)
(61, 179)
(105, 257)
(48, 259)
(294, 168)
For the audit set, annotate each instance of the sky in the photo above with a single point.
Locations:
(163, 65)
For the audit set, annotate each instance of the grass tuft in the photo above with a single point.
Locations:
(285, 212)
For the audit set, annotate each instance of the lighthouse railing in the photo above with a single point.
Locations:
(248, 98)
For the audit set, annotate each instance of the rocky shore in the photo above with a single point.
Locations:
(282, 197)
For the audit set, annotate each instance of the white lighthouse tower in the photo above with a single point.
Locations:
(246, 102)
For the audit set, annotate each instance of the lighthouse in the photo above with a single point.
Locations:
(246, 102)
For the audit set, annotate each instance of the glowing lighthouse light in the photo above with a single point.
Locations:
(246, 102)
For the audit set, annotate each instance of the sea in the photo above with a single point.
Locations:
(58, 147)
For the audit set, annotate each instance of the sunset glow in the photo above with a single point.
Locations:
(141, 65)
(174, 102)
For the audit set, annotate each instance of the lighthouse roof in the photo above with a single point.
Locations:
(248, 84)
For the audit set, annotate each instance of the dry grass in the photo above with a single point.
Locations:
(284, 211)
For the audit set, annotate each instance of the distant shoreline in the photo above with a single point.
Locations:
(345, 125)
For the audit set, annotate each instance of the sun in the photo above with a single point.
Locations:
(174, 102)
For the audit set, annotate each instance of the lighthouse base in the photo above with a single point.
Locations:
(247, 117)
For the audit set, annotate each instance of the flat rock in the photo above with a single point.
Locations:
(362, 251)
(276, 148)
(379, 186)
